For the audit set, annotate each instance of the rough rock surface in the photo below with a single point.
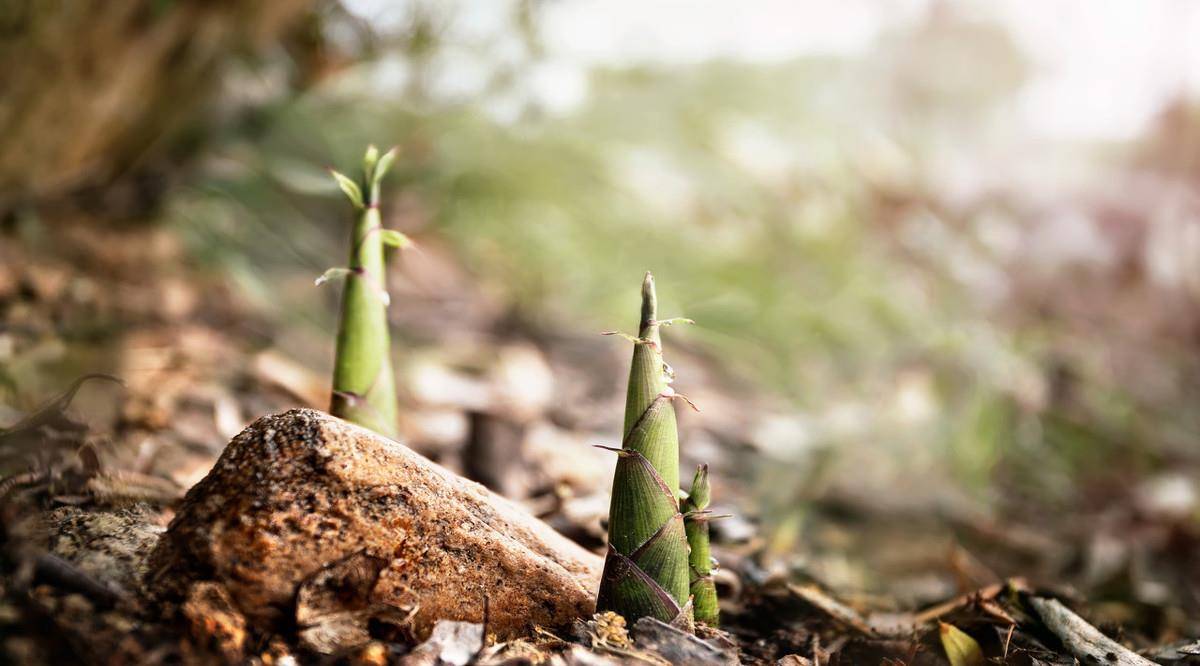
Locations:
(108, 545)
(303, 492)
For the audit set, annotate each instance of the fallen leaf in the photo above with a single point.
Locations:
(961, 649)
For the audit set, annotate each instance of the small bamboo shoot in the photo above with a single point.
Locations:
(364, 387)
(646, 570)
(695, 519)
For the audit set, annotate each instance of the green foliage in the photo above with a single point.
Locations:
(646, 570)
(393, 238)
(350, 188)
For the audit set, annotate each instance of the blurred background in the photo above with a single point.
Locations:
(944, 257)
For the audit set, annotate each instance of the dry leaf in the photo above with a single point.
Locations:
(961, 649)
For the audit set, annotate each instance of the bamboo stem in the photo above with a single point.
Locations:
(646, 571)
(700, 561)
(364, 386)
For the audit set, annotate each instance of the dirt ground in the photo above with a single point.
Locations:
(860, 576)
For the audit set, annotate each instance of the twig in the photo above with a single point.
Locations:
(1082, 639)
(58, 571)
(48, 412)
(835, 609)
(947, 607)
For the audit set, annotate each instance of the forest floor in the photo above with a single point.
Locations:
(861, 575)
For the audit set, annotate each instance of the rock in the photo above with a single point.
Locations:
(450, 644)
(108, 545)
(577, 655)
(304, 506)
(213, 620)
(333, 606)
(678, 646)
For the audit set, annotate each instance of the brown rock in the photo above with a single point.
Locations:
(214, 622)
(301, 491)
